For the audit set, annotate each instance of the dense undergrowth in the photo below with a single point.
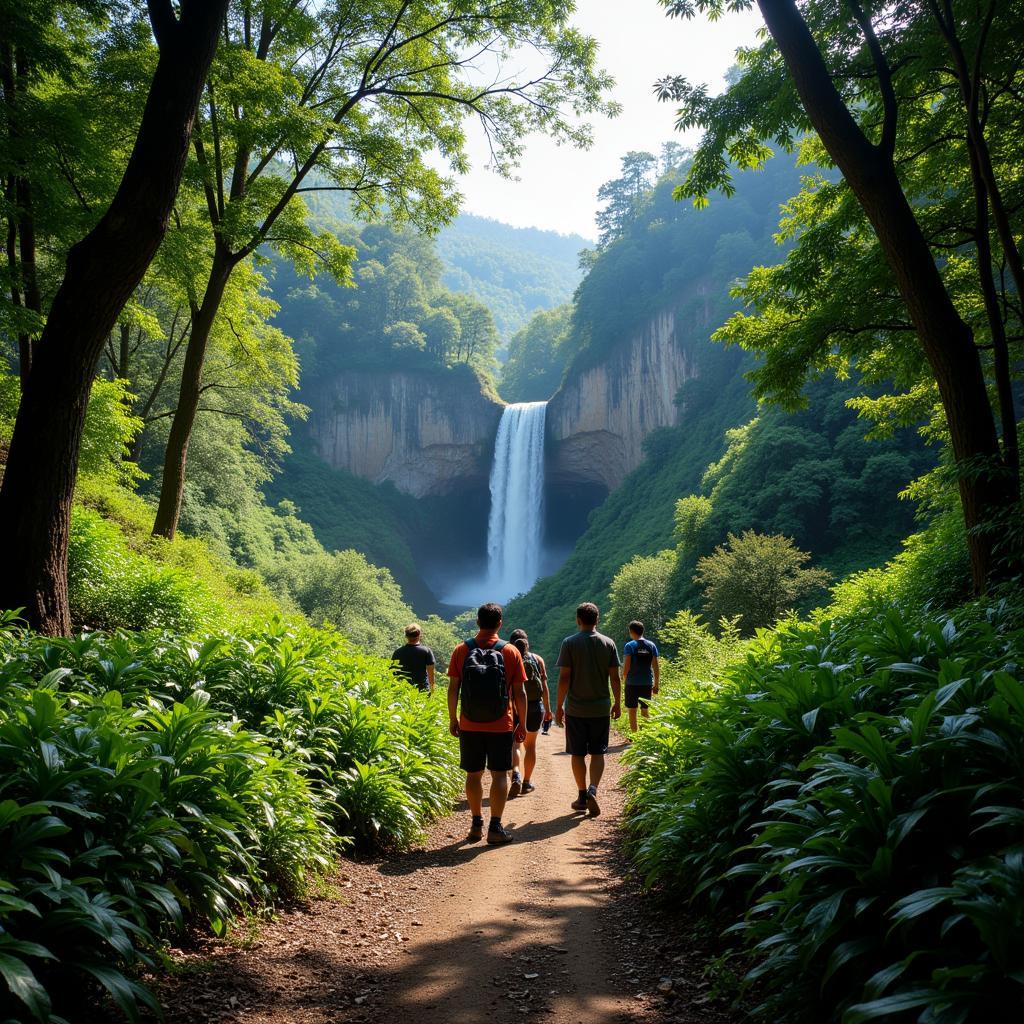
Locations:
(156, 780)
(845, 797)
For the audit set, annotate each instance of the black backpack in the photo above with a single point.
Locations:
(482, 689)
(644, 656)
(534, 684)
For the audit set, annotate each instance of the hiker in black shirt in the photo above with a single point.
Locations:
(414, 661)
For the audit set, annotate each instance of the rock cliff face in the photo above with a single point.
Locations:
(426, 432)
(597, 421)
(432, 433)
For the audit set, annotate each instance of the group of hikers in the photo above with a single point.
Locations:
(499, 703)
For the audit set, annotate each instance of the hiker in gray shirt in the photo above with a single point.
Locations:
(588, 662)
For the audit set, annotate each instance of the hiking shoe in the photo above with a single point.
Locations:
(528, 787)
(476, 830)
(579, 804)
(515, 788)
(591, 804)
(498, 835)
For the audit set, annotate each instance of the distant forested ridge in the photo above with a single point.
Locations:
(515, 272)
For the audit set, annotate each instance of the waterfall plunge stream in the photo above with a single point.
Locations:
(516, 524)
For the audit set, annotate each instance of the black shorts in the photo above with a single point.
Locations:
(534, 715)
(479, 750)
(638, 696)
(586, 735)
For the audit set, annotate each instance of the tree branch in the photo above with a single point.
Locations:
(163, 21)
(890, 106)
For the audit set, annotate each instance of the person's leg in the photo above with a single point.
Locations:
(475, 793)
(645, 710)
(598, 744)
(499, 794)
(530, 756)
(576, 745)
(632, 719)
(579, 771)
(499, 760)
(472, 759)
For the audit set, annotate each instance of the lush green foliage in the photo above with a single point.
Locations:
(112, 586)
(754, 578)
(399, 315)
(640, 590)
(515, 272)
(852, 789)
(362, 600)
(152, 780)
(537, 357)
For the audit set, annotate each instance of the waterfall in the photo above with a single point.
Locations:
(516, 524)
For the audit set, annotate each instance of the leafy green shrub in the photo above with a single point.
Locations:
(933, 569)
(640, 591)
(853, 791)
(120, 820)
(755, 578)
(111, 586)
(147, 780)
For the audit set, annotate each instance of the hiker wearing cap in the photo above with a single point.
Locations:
(414, 661)
(642, 672)
(485, 693)
(538, 710)
(587, 662)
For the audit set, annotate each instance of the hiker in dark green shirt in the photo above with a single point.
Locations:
(588, 662)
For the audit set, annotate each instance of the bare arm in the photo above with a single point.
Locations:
(625, 665)
(519, 698)
(430, 679)
(545, 694)
(613, 675)
(564, 678)
(453, 706)
(657, 674)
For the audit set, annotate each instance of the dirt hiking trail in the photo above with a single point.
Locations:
(465, 933)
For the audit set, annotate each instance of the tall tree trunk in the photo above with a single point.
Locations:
(173, 483)
(14, 273)
(12, 84)
(987, 194)
(994, 314)
(102, 272)
(948, 344)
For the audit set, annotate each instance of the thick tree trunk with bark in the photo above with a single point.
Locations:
(190, 391)
(102, 272)
(948, 343)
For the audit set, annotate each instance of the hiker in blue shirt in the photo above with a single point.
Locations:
(640, 666)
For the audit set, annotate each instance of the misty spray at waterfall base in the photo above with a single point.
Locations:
(515, 528)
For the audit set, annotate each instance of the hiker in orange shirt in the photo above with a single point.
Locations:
(488, 674)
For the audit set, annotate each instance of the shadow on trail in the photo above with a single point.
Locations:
(477, 976)
(517, 818)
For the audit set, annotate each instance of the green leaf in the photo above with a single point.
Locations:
(23, 983)
(889, 1006)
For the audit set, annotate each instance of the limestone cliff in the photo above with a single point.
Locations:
(598, 419)
(427, 432)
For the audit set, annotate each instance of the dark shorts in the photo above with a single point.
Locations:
(638, 696)
(586, 735)
(479, 750)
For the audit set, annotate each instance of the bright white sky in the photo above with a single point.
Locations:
(557, 186)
